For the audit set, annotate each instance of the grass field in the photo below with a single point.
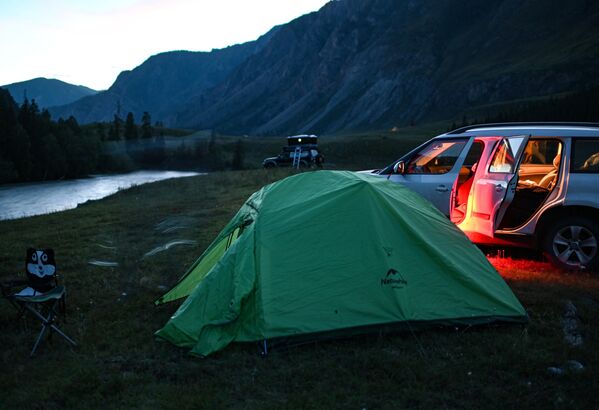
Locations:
(119, 364)
(353, 151)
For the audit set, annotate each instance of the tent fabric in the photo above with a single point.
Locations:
(333, 251)
(199, 269)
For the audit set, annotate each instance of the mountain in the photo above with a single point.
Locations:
(367, 64)
(162, 84)
(47, 91)
(364, 64)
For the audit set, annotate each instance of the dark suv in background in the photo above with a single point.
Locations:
(301, 151)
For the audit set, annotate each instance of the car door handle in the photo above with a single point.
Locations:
(441, 188)
(498, 188)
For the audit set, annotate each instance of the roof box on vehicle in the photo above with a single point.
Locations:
(302, 140)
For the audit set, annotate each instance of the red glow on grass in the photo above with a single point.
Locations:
(519, 269)
(529, 270)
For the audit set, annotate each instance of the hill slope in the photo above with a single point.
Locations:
(47, 91)
(366, 64)
(360, 64)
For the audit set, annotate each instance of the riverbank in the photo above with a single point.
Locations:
(120, 365)
(38, 198)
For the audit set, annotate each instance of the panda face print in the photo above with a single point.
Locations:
(40, 264)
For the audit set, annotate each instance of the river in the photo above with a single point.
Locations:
(21, 200)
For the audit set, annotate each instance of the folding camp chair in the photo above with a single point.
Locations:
(43, 297)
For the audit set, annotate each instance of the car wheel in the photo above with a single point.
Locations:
(573, 243)
(269, 165)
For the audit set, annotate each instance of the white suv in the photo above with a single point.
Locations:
(522, 184)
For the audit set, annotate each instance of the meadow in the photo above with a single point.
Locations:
(119, 364)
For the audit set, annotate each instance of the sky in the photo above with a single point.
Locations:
(90, 42)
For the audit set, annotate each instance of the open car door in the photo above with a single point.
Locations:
(495, 186)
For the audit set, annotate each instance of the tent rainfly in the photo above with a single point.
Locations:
(331, 253)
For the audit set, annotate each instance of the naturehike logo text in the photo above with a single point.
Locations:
(394, 279)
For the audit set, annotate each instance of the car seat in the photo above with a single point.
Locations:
(549, 180)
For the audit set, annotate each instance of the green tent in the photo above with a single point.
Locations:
(329, 253)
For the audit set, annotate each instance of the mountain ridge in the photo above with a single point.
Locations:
(47, 92)
(161, 83)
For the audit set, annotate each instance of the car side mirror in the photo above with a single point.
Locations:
(399, 167)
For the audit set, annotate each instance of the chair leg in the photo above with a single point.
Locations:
(39, 339)
(56, 313)
(68, 339)
(47, 322)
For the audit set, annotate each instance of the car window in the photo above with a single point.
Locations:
(504, 158)
(438, 157)
(541, 152)
(585, 155)
(474, 154)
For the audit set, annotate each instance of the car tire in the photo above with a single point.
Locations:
(572, 243)
(270, 165)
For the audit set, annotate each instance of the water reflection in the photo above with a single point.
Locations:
(18, 201)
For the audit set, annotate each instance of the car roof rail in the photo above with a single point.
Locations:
(524, 124)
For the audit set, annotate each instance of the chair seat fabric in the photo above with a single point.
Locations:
(33, 296)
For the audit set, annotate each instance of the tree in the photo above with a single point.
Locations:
(36, 126)
(8, 122)
(100, 131)
(146, 125)
(8, 173)
(114, 133)
(130, 128)
(73, 125)
(8, 111)
(33, 147)
(26, 113)
(18, 152)
(131, 137)
(81, 148)
(55, 162)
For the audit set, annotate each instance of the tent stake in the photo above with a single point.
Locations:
(264, 350)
